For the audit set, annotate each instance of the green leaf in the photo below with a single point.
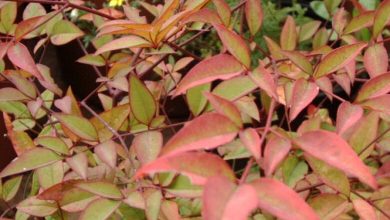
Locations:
(100, 209)
(33, 10)
(363, 134)
(337, 59)
(381, 19)
(328, 206)
(11, 187)
(78, 125)
(51, 174)
(223, 11)
(300, 60)
(288, 36)
(331, 176)
(8, 15)
(22, 84)
(360, 21)
(153, 200)
(54, 143)
(90, 59)
(307, 30)
(148, 145)
(37, 207)
(253, 15)
(76, 200)
(30, 160)
(64, 32)
(375, 87)
(234, 88)
(123, 43)
(103, 189)
(195, 98)
(142, 103)
(115, 117)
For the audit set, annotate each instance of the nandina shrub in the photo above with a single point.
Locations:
(302, 133)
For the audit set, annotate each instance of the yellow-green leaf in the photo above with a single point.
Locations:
(381, 19)
(100, 209)
(142, 103)
(30, 160)
(104, 189)
(337, 59)
(254, 15)
(64, 31)
(288, 36)
(78, 125)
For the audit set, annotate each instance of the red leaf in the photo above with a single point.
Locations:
(281, 201)
(375, 60)
(20, 57)
(221, 66)
(332, 149)
(225, 107)
(234, 44)
(303, 94)
(347, 115)
(251, 140)
(198, 166)
(205, 132)
(264, 80)
(274, 153)
(289, 36)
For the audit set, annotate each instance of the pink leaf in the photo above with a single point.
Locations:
(221, 66)
(332, 149)
(245, 194)
(216, 194)
(303, 94)
(198, 166)
(251, 140)
(205, 132)
(148, 145)
(375, 87)
(281, 201)
(234, 44)
(380, 104)
(264, 80)
(274, 153)
(375, 60)
(364, 209)
(326, 86)
(221, 198)
(225, 107)
(21, 57)
(106, 151)
(344, 81)
(347, 115)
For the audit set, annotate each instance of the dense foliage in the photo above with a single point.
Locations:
(208, 109)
